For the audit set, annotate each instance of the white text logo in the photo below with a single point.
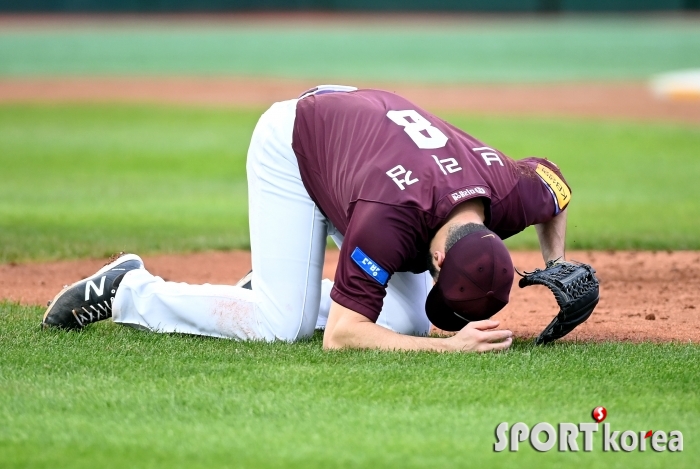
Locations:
(98, 291)
(467, 192)
(544, 437)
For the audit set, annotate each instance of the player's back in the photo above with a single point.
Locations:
(377, 146)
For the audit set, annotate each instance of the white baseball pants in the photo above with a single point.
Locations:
(288, 240)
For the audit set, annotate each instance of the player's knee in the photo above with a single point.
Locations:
(287, 327)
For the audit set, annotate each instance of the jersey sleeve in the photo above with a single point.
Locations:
(540, 194)
(380, 240)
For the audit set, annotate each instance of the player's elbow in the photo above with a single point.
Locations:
(329, 343)
(335, 339)
(343, 329)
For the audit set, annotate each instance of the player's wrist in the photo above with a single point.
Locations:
(555, 260)
(456, 343)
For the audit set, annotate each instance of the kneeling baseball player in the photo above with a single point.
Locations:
(419, 209)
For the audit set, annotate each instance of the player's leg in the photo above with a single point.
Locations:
(287, 248)
(147, 302)
(404, 304)
(288, 235)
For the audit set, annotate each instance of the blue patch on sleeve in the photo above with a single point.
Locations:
(373, 269)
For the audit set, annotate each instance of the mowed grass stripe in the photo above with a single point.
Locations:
(85, 180)
(512, 50)
(633, 184)
(88, 180)
(116, 397)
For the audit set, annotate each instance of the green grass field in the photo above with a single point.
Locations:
(88, 180)
(115, 397)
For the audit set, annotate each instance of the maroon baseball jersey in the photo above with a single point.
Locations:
(387, 174)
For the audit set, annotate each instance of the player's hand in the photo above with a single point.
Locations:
(481, 336)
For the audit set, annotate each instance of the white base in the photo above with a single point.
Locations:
(683, 85)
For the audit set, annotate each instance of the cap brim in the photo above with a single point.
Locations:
(446, 318)
(440, 315)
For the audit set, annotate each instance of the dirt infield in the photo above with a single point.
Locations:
(633, 101)
(644, 295)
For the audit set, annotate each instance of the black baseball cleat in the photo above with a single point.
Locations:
(90, 299)
(246, 282)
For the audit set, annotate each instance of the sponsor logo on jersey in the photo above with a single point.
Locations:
(559, 190)
(372, 269)
(466, 193)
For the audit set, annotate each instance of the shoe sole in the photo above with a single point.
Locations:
(110, 266)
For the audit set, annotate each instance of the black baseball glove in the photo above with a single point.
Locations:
(576, 290)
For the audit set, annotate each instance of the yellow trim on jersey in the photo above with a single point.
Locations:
(561, 191)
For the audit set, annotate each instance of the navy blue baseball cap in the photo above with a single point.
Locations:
(474, 282)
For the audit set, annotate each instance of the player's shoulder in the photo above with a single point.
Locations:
(534, 165)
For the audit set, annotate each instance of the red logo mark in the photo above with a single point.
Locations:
(599, 414)
(648, 434)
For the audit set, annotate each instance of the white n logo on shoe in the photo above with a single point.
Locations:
(98, 291)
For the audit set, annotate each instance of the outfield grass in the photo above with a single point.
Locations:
(483, 50)
(634, 185)
(116, 397)
(88, 180)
